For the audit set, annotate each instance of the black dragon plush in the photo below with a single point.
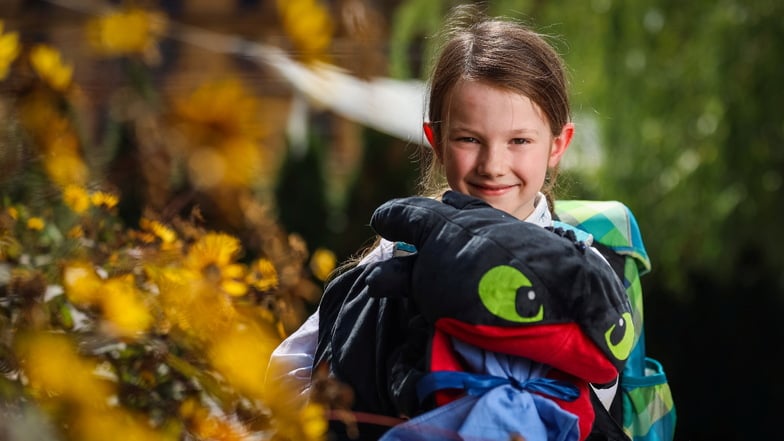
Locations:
(489, 327)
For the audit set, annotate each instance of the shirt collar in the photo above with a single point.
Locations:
(541, 214)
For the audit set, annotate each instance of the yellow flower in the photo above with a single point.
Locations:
(206, 426)
(191, 304)
(103, 199)
(241, 355)
(123, 306)
(81, 283)
(213, 256)
(63, 162)
(322, 262)
(309, 26)
(294, 417)
(13, 212)
(94, 426)
(314, 421)
(76, 232)
(221, 109)
(55, 137)
(76, 198)
(49, 65)
(166, 235)
(9, 50)
(54, 369)
(218, 249)
(35, 223)
(126, 32)
(233, 283)
(221, 122)
(233, 162)
(263, 275)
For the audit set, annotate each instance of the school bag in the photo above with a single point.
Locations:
(648, 410)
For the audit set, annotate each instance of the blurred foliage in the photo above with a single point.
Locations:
(705, 141)
(124, 308)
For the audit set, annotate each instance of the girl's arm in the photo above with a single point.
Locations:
(292, 360)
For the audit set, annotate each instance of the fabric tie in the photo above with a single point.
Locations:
(478, 384)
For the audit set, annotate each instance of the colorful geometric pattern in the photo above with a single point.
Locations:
(649, 410)
(611, 223)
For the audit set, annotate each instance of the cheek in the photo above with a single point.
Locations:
(457, 162)
(531, 166)
(540, 159)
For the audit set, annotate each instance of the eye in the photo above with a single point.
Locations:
(521, 141)
(507, 293)
(468, 139)
(621, 346)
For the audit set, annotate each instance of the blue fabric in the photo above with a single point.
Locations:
(499, 403)
(495, 415)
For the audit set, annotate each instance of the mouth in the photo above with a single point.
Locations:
(492, 190)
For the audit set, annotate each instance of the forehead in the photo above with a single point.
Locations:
(472, 100)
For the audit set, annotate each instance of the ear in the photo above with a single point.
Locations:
(430, 135)
(560, 144)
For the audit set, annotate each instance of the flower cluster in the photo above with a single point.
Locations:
(154, 325)
(309, 26)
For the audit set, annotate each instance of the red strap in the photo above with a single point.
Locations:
(352, 416)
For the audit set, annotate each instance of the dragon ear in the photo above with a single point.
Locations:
(410, 220)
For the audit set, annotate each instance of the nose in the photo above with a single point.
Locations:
(493, 161)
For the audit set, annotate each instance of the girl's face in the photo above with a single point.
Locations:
(499, 147)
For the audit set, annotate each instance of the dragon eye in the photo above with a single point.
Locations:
(498, 290)
(621, 350)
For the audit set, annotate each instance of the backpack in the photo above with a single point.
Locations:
(648, 410)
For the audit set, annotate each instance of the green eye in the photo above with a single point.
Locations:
(622, 350)
(498, 291)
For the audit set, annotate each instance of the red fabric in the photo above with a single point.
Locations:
(574, 357)
(582, 406)
(563, 346)
(443, 358)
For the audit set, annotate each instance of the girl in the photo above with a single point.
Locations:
(498, 126)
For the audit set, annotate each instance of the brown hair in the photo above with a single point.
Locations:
(499, 52)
